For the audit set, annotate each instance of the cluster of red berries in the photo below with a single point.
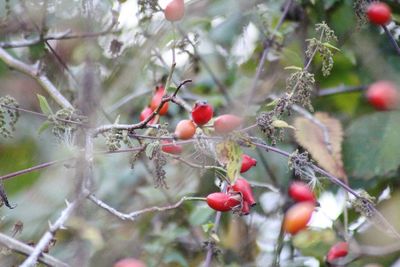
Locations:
(238, 198)
(202, 113)
(299, 214)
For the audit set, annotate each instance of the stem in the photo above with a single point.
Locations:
(279, 246)
(391, 39)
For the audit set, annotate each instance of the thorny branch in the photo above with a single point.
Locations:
(49, 235)
(24, 249)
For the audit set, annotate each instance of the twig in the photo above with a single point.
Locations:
(341, 89)
(132, 216)
(33, 72)
(24, 249)
(41, 115)
(49, 235)
(35, 168)
(142, 124)
(59, 36)
(267, 46)
(219, 84)
(391, 39)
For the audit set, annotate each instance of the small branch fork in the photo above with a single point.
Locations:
(24, 249)
(143, 124)
(49, 235)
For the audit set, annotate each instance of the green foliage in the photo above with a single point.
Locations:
(370, 149)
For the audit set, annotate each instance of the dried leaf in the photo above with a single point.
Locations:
(230, 155)
(323, 139)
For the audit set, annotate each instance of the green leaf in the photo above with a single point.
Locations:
(44, 106)
(44, 127)
(200, 215)
(371, 146)
(207, 227)
(175, 257)
(293, 68)
(330, 46)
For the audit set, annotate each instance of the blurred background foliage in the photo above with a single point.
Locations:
(219, 45)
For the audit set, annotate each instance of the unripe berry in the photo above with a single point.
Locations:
(379, 13)
(202, 113)
(383, 95)
(338, 250)
(227, 123)
(247, 163)
(297, 217)
(175, 10)
(185, 129)
(300, 192)
(156, 101)
(171, 148)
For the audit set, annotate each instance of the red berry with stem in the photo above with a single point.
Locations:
(338, 250)
(146, 112)
(379, 13)
(241, 185)
(383, 95)
(129, 262)
(247, 163)
(156, 101)
(171, 148)
(202, 113)
(227, 123)
(297, 217)
(175, 10)
(185, 129)
(300, 192)
(221, 201)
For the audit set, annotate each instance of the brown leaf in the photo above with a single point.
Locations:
(323, 139)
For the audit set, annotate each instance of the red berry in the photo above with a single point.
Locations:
(337, 251)
(227, 123)
(297, 217)
(202, 113)
(156, 101)
(171, 148)
(379, 13)
(146, 112)
(221, 201)
(185, 129)
(300, 192)
(129, 262)
(247, 163)
(383, 95)
(241, 185)
(175, 10)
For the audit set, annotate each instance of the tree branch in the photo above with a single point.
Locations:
(34, 72)
(49, 235)
(22, 248)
